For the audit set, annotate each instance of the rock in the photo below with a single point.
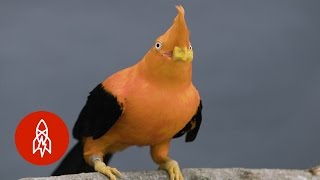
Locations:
(199, 174)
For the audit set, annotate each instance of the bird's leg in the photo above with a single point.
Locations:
(159, 154)
(101, 167)
(93, 155)
(315, 170)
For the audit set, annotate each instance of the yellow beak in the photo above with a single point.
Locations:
(183, 54)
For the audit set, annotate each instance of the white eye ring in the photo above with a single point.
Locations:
(190, 47)
(158, 45)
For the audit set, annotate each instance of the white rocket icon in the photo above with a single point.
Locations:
(41, 142)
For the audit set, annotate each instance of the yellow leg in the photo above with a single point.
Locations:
(94, 151)
(173, 169)
(101, 167)
(159, 154)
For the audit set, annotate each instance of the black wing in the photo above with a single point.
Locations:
(192, 127)
(99, 114)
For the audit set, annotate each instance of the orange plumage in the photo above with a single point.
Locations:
(157, 100)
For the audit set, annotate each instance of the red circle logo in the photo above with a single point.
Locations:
(42, 138)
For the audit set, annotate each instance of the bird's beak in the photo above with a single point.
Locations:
(178, 34)
(183, 54)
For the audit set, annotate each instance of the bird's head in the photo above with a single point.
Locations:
(174, 45)
(171, 54)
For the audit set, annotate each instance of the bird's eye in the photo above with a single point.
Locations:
(190, 47)
(158, 45)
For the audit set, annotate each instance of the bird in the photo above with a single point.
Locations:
(146, 104)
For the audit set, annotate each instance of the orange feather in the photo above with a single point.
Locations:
(157, 94)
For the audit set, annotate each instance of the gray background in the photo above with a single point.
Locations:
(256, 65)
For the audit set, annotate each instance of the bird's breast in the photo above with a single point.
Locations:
(153, 114)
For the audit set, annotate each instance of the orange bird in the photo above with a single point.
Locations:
(147, 104)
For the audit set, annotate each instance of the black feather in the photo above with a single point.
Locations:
(99, 114)
(74, 162)
(192, 127)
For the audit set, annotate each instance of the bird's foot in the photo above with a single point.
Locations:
(173, 169)
(101, 167)
(315, 171)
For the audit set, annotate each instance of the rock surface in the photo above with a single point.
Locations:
(199, 174)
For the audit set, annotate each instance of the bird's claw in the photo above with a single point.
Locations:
(101, 167)
(173, 170)
(315, 171)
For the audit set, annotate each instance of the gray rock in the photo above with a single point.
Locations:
(199, 174)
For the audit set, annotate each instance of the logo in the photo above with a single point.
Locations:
(42, 138)
(41, 142)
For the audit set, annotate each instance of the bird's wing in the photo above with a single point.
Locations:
(192, 127)
(99, 114)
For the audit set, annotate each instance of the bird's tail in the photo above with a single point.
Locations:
(74, 162)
